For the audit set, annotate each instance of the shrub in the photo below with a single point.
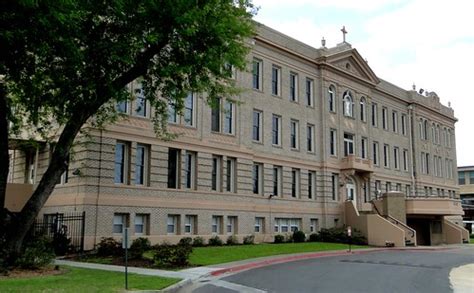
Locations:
(215, 241)
(279, 239)
(138, 247)
(109, 247)
(313, 237)
(198, 241)
(232, 240)
(249, 239)
(38, 253)
(61, 243)
(172, 255)
(339, 235)
(299, 236)
(185, 241)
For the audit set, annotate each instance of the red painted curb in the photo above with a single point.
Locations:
(263, 263)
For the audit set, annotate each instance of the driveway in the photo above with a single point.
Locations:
(381, 271)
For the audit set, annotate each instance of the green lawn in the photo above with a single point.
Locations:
(472, 241)
(222, 254)
(84, 280)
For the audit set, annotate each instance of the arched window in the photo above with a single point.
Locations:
(448, 138)
(438, 138)
(362, 109)
(348, 103)
(422, 133)
(331, 98)
(445, 137)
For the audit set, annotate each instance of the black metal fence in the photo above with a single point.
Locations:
(65, 229)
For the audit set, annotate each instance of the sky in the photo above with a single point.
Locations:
(422, 42)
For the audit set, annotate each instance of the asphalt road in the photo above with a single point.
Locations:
(384, 271)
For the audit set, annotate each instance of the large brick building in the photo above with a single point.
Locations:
(314, 137)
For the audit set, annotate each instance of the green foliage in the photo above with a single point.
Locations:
(172, 255)
(298, 236)
(232, 240)
(139, 247)
(279, 239)
(339, 235)
(38, 252)
(313, 237)
(215, 241)
(185, 241)
(249, 239)
(198, 241)
(109, 247)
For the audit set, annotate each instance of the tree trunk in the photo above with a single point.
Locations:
(4, 157)
(22, 222)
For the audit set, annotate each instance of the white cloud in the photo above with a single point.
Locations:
(365, 5)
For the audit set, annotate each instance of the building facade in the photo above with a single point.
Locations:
(312, 129)
(466, 192)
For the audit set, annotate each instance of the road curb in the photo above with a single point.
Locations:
(175, 287)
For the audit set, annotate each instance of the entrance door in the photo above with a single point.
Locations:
(351, 190)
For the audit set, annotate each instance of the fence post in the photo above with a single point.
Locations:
(83, 230)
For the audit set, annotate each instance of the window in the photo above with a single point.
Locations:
(384, 118)
(388, 186)
(374, 115)
(365, 191)
(31, 167)
(284, 225)
(276, 80)
(294, 134)
(427, 163)
(405, 160)
(348, 144)
(438, 134)
(141, 224)
(257, 178)
(386, 156)
(471, 177)
(311, 184)
(404, 124)
(331, 98)
(172, 114)
(276, 126)
(231, 225)
(408, 190)
(295, 183)
(172, 224)
(216, 224)
(229, 117)
(257, 126)
(141, 162)
(122, 107)
(348, 104)
(363, 148)
(259, 225)
(378, 186)
(188, 114)
(334, 182)
(313, 225)
(190, 224)
(230, 174)
(190, 170)
(216, 174)
(395, 121)
(423, 163)
(375, 153)
(310, 138)
(216, 115)
(396, 156)
(64, 177)
(309, 92)
(140, 102)
(362, 110)
(257, 74)
(425, 129)
(293, 87)
(461, 178)
(332, 142)
(173, 168)
(277, 180)
(120, 222)
(122, 150)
